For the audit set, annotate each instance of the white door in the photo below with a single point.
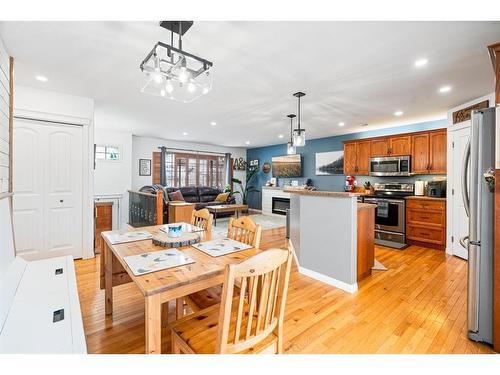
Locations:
(47, 184)
(460, 221)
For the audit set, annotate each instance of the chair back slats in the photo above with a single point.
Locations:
(203, 219)
(245, 230)
(258, 310)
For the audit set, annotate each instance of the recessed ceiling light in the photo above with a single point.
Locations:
(444, 89)
(341, 123)
(398, 113)
(41, 78)
(280, 136)
(184, 133)
(421, 62)
(213, 123)
(247, 142)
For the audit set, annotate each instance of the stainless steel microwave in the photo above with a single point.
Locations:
(390, 166)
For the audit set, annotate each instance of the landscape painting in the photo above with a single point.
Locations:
(329, 163)
(287, 166)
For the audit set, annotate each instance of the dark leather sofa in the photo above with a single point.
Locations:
(202, 197)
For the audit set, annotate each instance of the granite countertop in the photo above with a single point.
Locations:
(364, 206)
(321, 193)
(425, 197)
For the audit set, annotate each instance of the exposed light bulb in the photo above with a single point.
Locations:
(183, 75)
(191, 87)
(290, 149)
(157, 77)
(169, 87)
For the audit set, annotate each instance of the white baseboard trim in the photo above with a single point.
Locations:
(350, 288)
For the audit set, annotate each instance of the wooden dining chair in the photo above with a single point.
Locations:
(245, 323)
(243, 229)
(203, 219)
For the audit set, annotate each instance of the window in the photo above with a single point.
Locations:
(109, 153)
(183, 169)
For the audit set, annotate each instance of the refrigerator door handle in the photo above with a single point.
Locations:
(464, 241)
(465, 169)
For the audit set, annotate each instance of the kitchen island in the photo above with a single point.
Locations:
(332, 236)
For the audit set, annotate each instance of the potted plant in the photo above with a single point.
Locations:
(244, 192)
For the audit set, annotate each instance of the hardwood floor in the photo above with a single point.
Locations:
(417, 306)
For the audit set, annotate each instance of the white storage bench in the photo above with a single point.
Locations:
(39, 306)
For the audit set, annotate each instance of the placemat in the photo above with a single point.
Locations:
(123, 237)
(221, 246)
(156, 261)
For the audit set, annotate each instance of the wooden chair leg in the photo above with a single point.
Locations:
(164, 315)
(179, 308)
(176, 349)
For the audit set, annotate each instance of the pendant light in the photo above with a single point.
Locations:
(290, 147)
(299, 135)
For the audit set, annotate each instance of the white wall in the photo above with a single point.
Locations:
(4, 118)
(114, 177)
(143, 148)
(54, 106)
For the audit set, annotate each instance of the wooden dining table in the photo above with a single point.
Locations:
(160, 287)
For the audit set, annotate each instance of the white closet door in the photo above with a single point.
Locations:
(47, 185)
(459, 216)
(28, 186)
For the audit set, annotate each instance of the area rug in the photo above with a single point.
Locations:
(265, 221)
(377, 266)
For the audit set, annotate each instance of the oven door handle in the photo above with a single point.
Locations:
(376, 200)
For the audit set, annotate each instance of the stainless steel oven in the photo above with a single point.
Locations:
(390, 166)
(390, 213)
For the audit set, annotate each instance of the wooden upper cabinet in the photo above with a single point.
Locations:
(379, 147)
(399, 146)
(350, 158)
(420, 153)
(363, 157)
(437, 154)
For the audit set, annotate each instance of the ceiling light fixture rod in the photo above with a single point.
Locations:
(291, 116)
(298, 95)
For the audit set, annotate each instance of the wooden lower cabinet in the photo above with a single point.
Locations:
(103, 216)
(365, 240)
(180, 212)
(426, 222)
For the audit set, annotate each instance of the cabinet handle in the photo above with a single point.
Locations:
(425, 217)
(425, 234)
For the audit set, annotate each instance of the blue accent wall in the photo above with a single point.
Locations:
(332, 183)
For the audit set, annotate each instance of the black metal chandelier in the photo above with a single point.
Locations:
(299, 135)
(173, 73)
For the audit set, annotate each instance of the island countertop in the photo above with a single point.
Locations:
(322, 193)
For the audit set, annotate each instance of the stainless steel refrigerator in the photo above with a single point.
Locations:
(478, 195)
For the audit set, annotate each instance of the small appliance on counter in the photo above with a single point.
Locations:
(419, 187)
(436, 189)
(350, 183)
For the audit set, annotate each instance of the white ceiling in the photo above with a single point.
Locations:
(354, 72)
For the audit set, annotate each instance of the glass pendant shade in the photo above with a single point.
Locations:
(290, 148)
(299, 137)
